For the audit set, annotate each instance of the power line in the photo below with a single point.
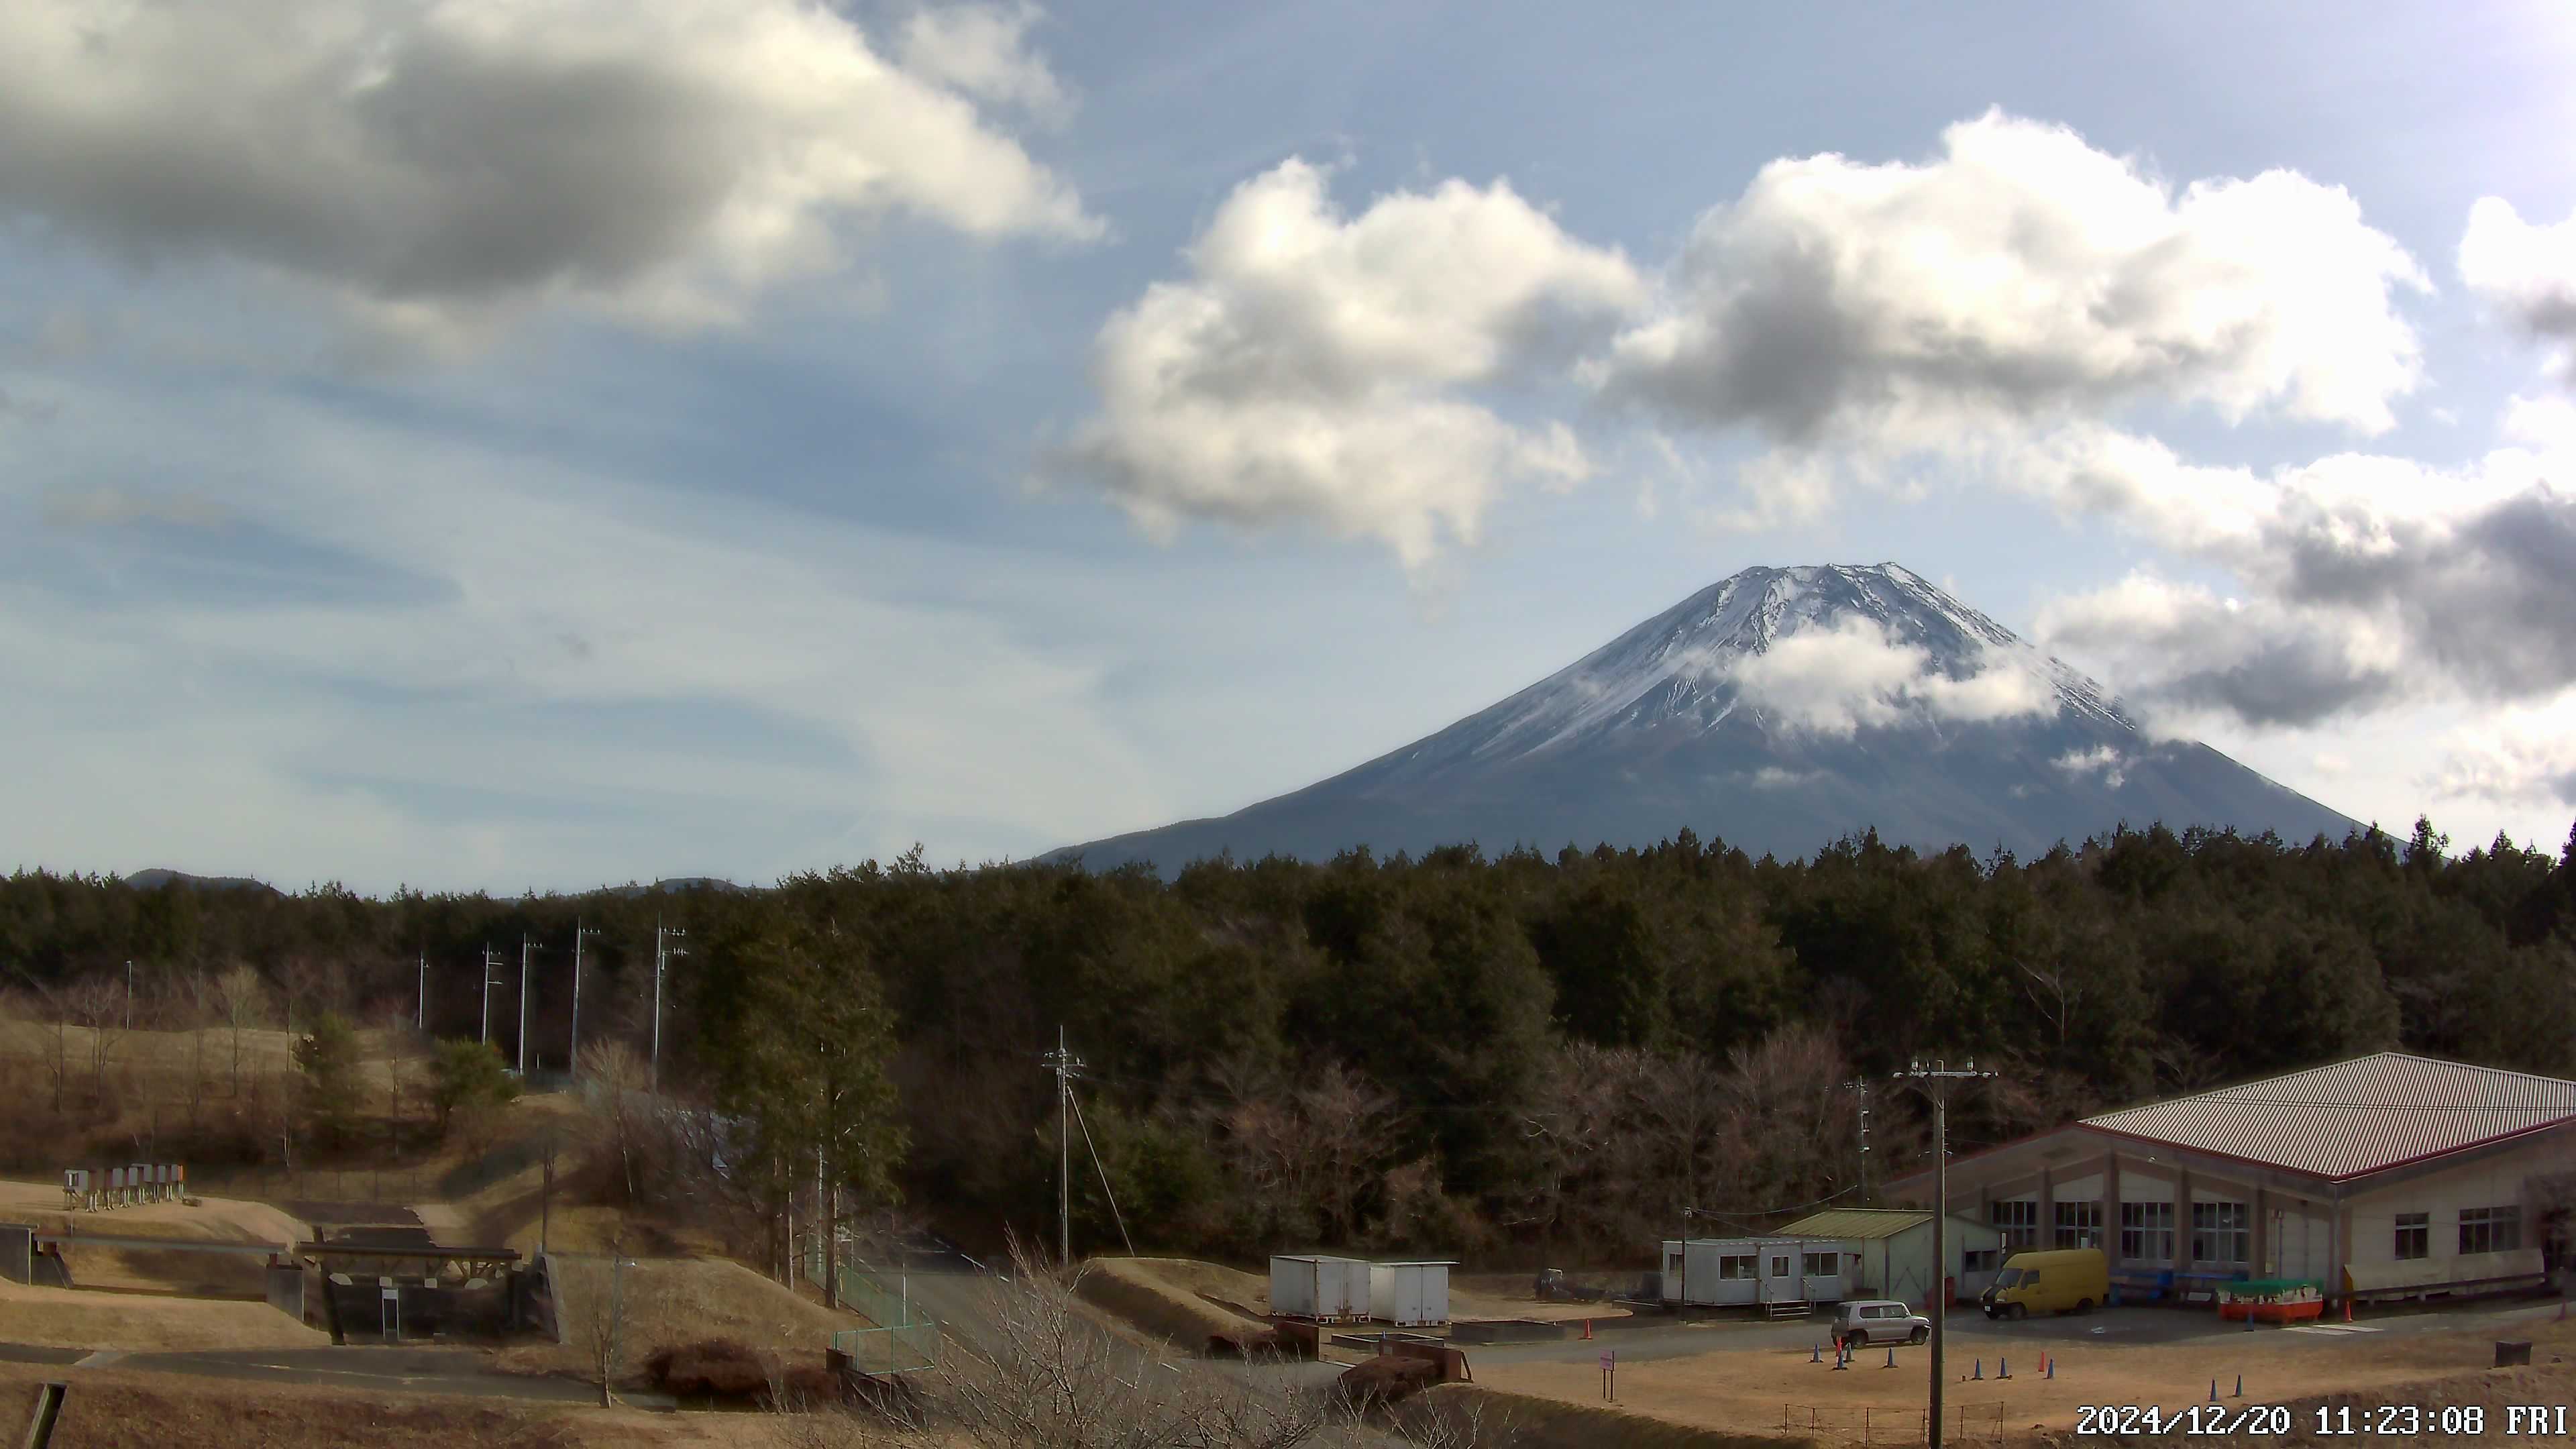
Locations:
(1934, 1081)
(1105, 1189)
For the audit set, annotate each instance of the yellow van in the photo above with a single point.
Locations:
(2068, 1280)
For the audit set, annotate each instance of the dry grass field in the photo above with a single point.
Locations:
(85, 1318)
(1765, 1390)
(676, 1301)
(108, 1408)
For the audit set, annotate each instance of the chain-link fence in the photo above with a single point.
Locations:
(1894, 1425)
(905, 1339)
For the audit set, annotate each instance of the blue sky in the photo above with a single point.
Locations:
(512, 444)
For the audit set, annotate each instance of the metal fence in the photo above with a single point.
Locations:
(1894, 1425)
(905, 1339)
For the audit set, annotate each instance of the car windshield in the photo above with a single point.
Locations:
(2008, 1278)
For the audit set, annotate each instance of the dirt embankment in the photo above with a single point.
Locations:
(671, 1302)
(107, 1408)
(1185, 1300)
(85, 1318)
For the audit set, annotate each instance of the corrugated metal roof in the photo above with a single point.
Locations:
(2354, 1117)
(1868, 1223)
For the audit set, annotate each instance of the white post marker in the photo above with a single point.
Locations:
(1610, 1376)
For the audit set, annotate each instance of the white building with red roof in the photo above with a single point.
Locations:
(2385, 1176)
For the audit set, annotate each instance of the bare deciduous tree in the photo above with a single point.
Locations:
(1042, 1375)
(241, 999)
(602, 1324)
(97, 1003)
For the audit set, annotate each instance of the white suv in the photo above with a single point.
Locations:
(1866, 1321)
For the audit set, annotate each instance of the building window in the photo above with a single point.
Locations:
(2019, 1221)
(2490, 1230)
(1823, 1265)
(1673, 1263)
(2220, 1232)
(1779, 1267)
(2147, 1232)
(2414, 1236)
(1734, 1266)
(2079, 1225)
(1979, 1260)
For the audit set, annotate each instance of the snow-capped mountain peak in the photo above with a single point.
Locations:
(1777, 710)
(1831, 647)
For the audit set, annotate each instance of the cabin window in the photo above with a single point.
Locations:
(1823, 1265)
(2019, 1221)
(2414, 1236)
(2490, 1229)
(2079, 1225)
(1780, 1267)
(1735, 1266)
(2221, 1232)
(2147, 1232)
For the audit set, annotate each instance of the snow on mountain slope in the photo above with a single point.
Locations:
(1777, 710)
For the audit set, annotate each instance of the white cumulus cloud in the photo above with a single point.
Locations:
(2526, 272)
(2020, 273)
(2101, 759)
(440, 166)
(1318, 367)
(983, 51)
(1853, 676)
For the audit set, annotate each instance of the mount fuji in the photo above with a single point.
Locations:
(1778, 711)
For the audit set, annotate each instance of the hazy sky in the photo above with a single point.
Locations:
(532, 443)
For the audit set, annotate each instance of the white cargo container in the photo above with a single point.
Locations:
(1409, 1295)
(1322, 1288)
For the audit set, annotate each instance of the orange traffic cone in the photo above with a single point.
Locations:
(1587, 1328)
(2347, 1310)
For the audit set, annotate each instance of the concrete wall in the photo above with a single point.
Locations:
(286, 1290)
(2500, 1181)
(17, 1253)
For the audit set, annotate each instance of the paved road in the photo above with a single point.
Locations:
(1970, 1332)
(961, 1295)
(462, 1371)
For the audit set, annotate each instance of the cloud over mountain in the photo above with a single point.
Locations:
(1835, 680)
(439, 167)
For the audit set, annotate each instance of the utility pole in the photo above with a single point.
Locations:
(578, 931)
(420, 1013)
(491, 958)
(129, 996)
(525, 947)
(1681, 1286)
(1861, 1085)
(1066, 1067)
(1934, 1081)
(663, 951)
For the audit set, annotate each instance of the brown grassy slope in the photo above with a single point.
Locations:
(673, 1301)
(80, 1318)
(210, 1220)
(1161, 1297)
(109, 1408)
